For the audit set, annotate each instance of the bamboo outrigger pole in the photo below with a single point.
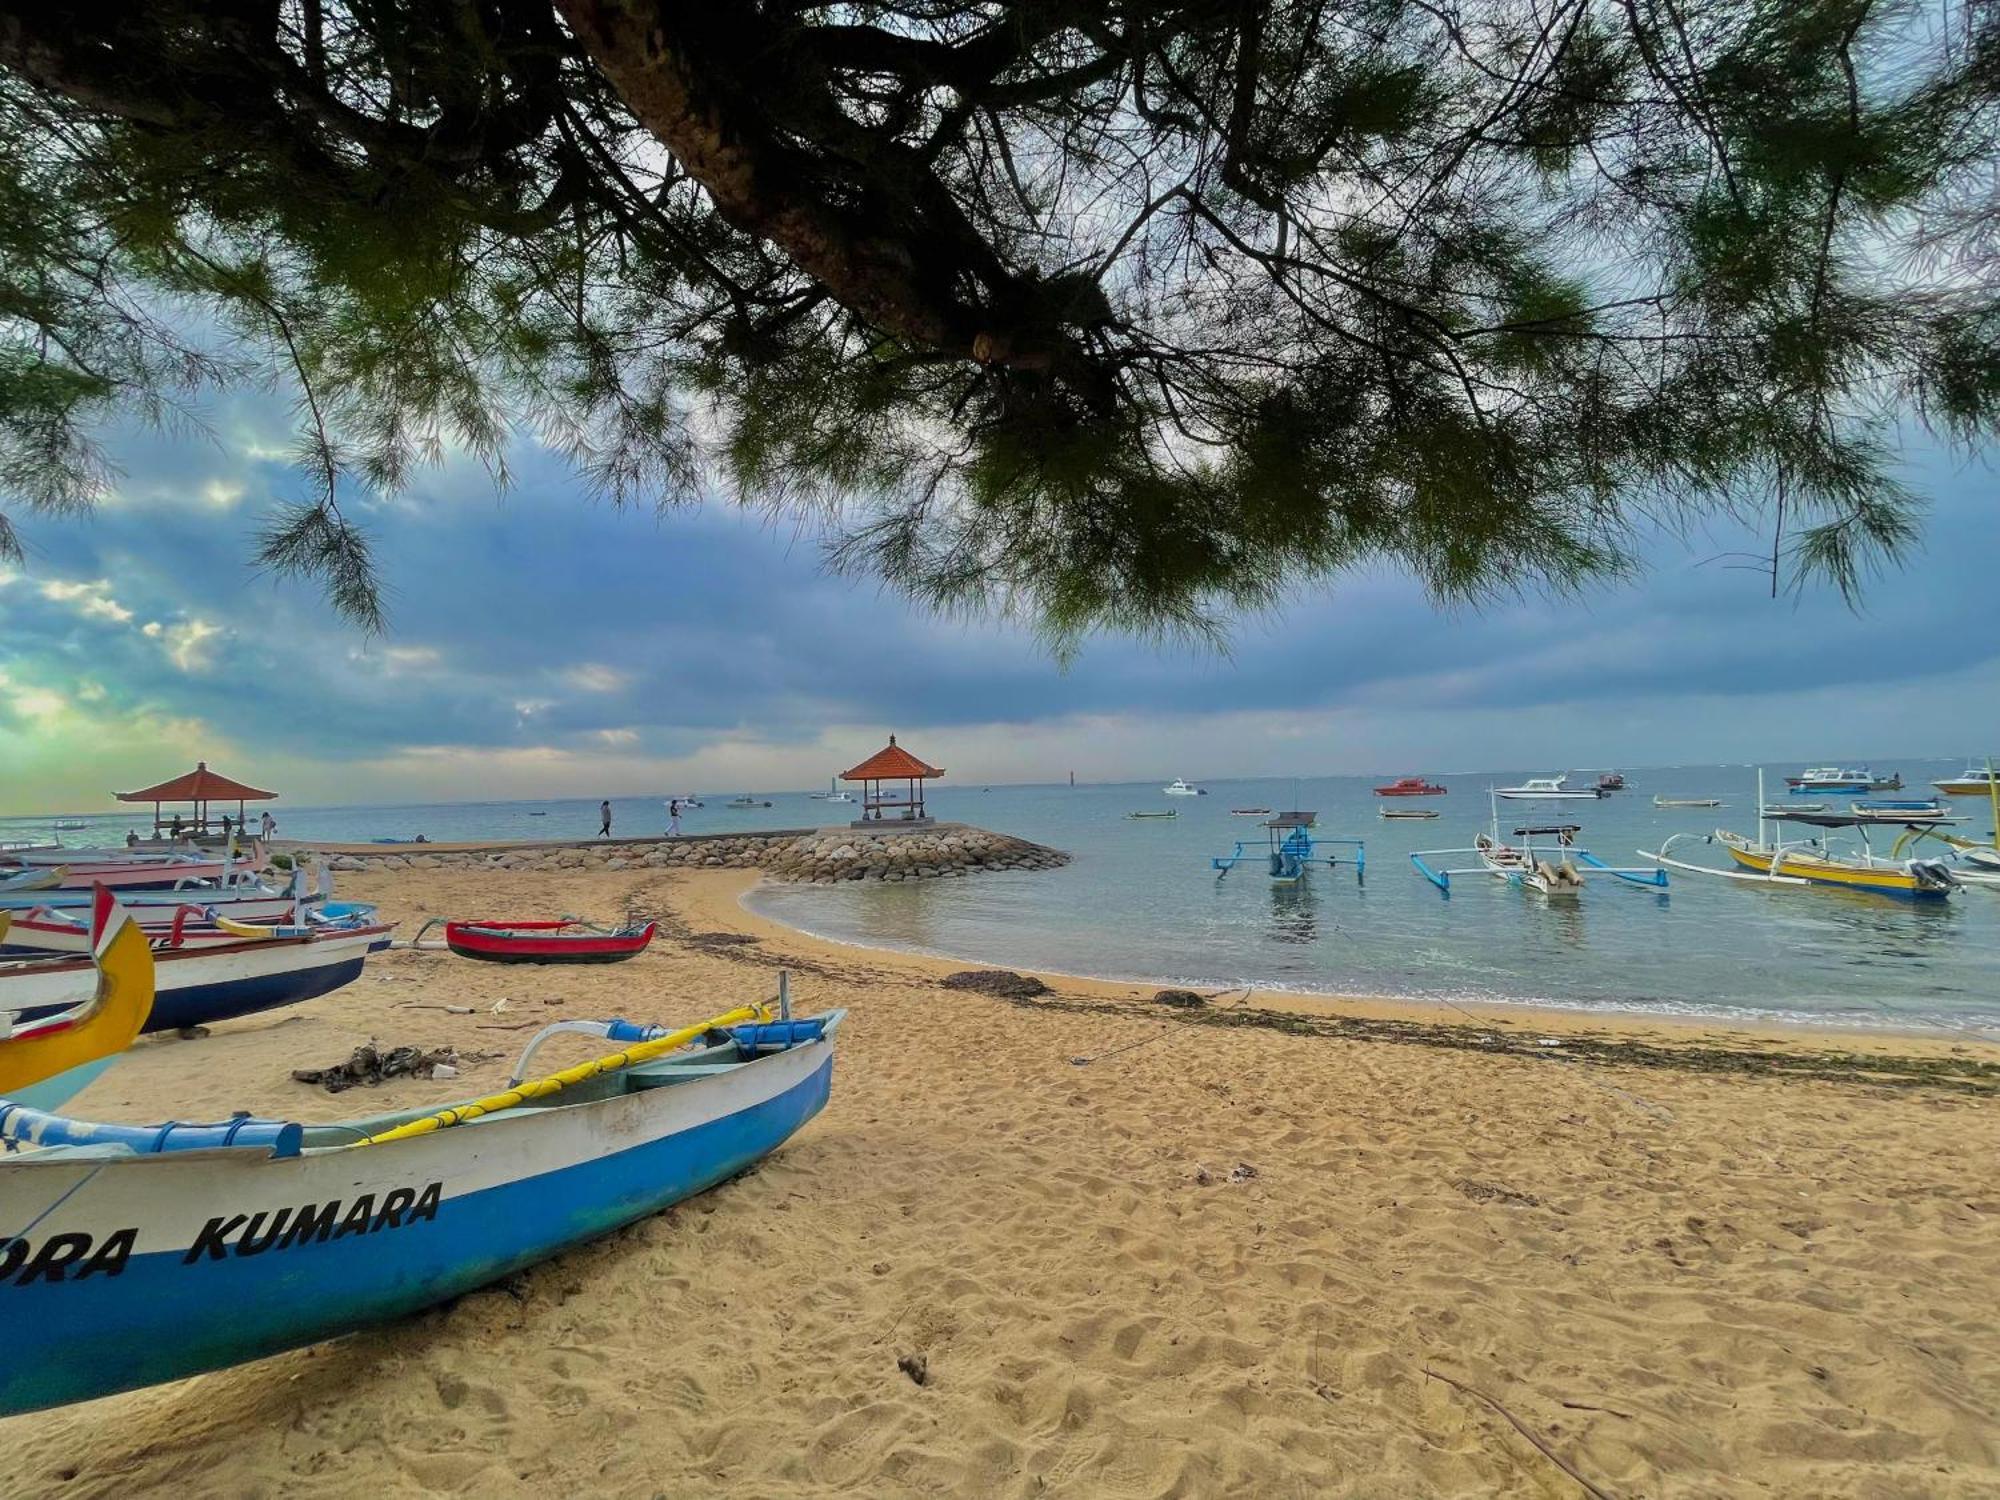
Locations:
(536, 1088)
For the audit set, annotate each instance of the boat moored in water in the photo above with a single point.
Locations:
(1179, 788)
(1411, 786)
(1841, 779)
(1547, 789)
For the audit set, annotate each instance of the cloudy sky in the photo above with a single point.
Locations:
(545, 645)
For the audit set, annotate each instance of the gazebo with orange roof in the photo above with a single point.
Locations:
(892, 763)
(200, 786)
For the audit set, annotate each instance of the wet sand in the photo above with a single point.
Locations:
(1244, 1249)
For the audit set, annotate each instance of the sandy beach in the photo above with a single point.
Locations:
(1267, 1247)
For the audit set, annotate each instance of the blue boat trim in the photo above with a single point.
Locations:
(167, 1314)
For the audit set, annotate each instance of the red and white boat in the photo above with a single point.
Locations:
(564, 942)
(1411, 786)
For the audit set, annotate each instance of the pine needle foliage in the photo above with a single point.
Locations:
(1108, 314)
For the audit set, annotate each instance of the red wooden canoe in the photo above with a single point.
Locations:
(545, 942)
(1410, 786)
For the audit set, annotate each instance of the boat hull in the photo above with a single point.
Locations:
(1883, 882)
(230, 1255)
(195, 987)
(495, 943)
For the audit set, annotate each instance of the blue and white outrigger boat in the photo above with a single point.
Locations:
(1547, 872)
(1292, 847)
(131, 1255)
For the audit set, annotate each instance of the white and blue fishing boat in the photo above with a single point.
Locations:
(131, 1255)
(40, 931)
(1547, 871)
(195, 986)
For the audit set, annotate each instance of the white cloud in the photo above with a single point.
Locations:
(189, 644)
(595, 677)
(222, 494)
(618, 736)
(92, 599)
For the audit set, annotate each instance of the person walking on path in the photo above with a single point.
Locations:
(674, 818)
(267, 827)
(604, 812)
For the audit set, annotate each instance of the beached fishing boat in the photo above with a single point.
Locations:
(1687, 802)
(1409, 812)
(22, 881)
(135, 1255)
(46, 1062)
(1179, 788)
(42, 930)
(568, 941)
(1547, 872)
(197, 985)
(1411, 786)
(1546, 789)
(84, 869)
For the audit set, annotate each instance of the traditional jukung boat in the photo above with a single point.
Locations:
(1292, 848)
(135, 1255)
(1768, 860)
(136, 874)
(1172, 812)
(30, 880)
(1409, 812)
(197, 985)
(1546, 789)
(64, 930)
(45, 1062)
(1411, 786)
(1249, 812)
(1687, 802)
(1552, 873)
(567, 941)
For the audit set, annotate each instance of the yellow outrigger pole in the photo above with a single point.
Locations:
(538, 1088)
(1993, 795)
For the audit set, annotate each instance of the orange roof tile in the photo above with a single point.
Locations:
(892, 763)
(198, 785)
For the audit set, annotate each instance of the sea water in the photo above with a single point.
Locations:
(1141, 900)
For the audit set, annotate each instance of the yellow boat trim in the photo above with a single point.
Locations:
(538, 1088)
(244, 929)
(1808, 867)
(106, 1024)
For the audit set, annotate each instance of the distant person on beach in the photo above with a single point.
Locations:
(269, 826)
(226, 826)
(131, 838)
(674, 818)
(174, 829)
(604, 812)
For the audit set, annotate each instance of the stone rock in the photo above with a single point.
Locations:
(1001, 984)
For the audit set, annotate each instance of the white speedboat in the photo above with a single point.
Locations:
(1547, 789)
(1179, 788)
(833, 793)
